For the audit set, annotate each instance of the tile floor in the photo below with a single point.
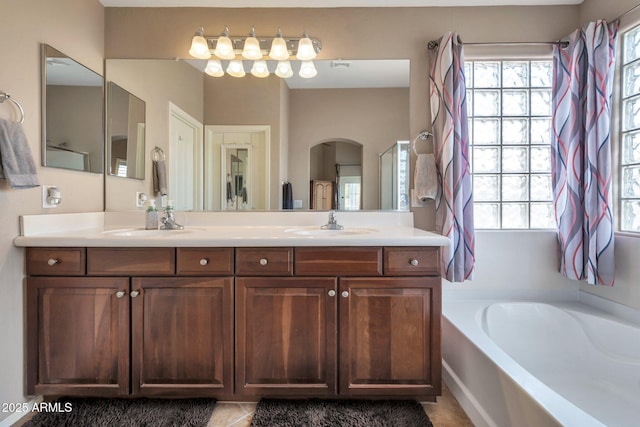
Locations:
(445, 413)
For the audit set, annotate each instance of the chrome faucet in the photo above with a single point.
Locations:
(169, 220)
(333, 222)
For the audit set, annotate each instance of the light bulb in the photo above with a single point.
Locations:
(260, 69)
(236, 68)
(283, 69)
(199, 46)
(214, 68)
(305, 49)
(279, 49)
(307, 70)
(224, 47)
(251, 48)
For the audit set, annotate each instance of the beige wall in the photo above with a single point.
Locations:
(75, 27)
(374, 118)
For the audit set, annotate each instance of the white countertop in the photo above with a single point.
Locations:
(222, 229)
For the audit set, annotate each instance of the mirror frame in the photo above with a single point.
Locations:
(93, 167)
(140, 149)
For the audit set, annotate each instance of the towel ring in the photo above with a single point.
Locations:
(422, 136)
(158, 154)
(6, 97)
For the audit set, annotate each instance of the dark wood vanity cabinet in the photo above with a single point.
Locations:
(239, 323)
(340, 327)
(124, 334)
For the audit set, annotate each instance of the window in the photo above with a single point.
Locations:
(509, 111)
(630, 133)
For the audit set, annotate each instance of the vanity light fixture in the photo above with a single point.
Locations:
(224, 47)
(214, 68)
(258, 49)
(260, 69)
(305, 49)
(279, 50)
(307, 70)
(251, 49)
(199, 46)
(283, 69)
(236, 68)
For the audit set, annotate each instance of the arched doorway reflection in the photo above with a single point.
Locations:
(336, 175)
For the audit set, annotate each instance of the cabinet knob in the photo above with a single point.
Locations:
(345, 294)
(204, 261)
(332, 293)
(53, 261)
(414, 262)
(264, 261)
(134, 294)
(120, 294)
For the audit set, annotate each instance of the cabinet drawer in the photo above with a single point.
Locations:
(340, 261)
(131, 261)
(264, 261)
(411, 261)
(207, 261)
(56, 261)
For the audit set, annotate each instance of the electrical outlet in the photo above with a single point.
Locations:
(51, 196)
(297, 204)
(141, 198)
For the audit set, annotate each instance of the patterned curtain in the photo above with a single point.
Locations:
(581, 152)
(454, 201)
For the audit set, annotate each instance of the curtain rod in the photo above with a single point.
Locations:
(622, 15)
(563, 44)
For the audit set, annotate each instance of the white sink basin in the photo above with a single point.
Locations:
(320, 232)
(141, 232)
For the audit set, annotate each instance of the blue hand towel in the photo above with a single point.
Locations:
(16, 162)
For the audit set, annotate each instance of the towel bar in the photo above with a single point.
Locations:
(6, 97)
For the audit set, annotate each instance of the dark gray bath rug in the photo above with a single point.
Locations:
(126, 413)
(339, 413)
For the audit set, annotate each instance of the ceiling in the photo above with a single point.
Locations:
(330, 3)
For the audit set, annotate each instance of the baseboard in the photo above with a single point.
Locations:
(465, 398)
(17, 416)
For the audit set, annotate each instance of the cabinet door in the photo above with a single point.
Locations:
(78, 336)
(286, 336)
(182, 336)
(390, 336)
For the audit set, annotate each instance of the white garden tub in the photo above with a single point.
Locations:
(536, 364)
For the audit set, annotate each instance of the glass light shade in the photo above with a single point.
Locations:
(199, 47)
(305, 49)
(279, 49)
(283, 69)
(224, 48)
(236, 68)
(307, 70)
(214, 68)
(260, 69)
(251, 48)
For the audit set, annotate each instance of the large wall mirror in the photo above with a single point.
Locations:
(72, 113)
(126, 133)
(364, 103)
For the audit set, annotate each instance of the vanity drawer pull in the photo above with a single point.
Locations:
(345, 294)
(332, 293)
(134, 294)
(263, 261)
(44, 261)
(414, 262)
(204, 261)
(120, 294)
